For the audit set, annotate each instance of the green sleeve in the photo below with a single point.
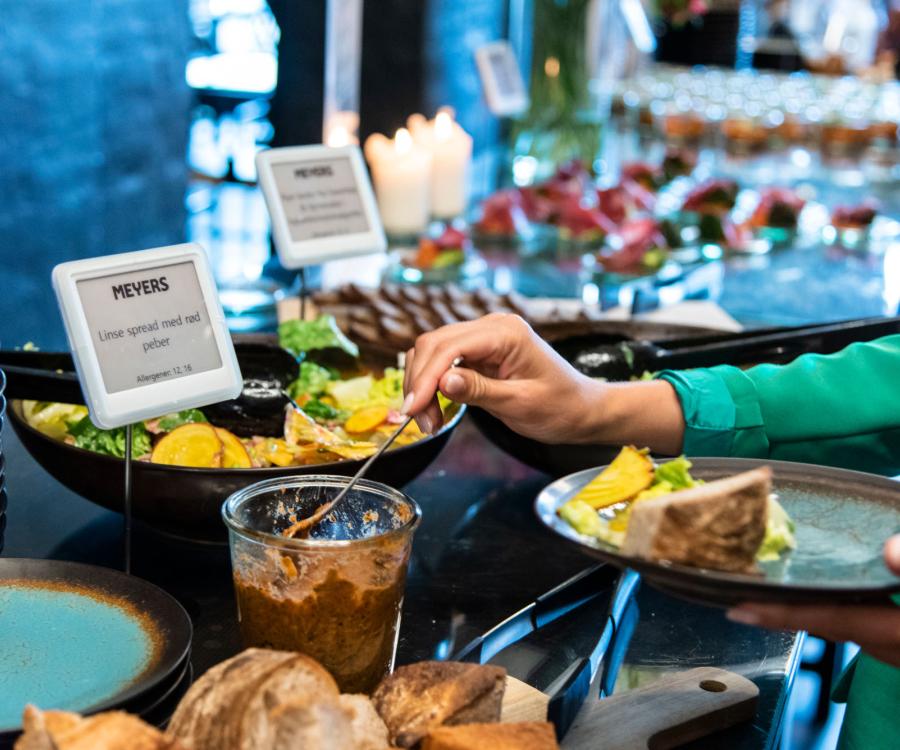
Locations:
(838, 410)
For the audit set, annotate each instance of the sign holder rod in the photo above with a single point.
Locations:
(303, 291)
(128, 483)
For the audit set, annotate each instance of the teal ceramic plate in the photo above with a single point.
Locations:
(83, 638)
(842, 517)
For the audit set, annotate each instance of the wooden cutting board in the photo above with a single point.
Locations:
(669, 712)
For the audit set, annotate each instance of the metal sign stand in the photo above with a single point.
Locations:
(303, 292)
(127, 514)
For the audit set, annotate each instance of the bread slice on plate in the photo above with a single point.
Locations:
(418, 698)
(111, 730)
(369, 731)
(719, 525)
(518, 736)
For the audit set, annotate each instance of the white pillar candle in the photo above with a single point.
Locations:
(340, 129)
(451, 153)
(401, 173)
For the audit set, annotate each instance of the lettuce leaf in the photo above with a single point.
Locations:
(169, 422)
(779, 533)
(52, 419)
(358, 393)
(312, 381)
(110, 442)
(322, 412)
(300, 336)
(677, 473)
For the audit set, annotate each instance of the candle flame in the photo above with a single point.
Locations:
(338, 136)
(402, 141)
(443, 125)
(551, 67)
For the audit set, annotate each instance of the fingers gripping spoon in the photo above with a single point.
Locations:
(302, 527)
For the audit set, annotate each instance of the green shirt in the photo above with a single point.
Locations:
(838, 410)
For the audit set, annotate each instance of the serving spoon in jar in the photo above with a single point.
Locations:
(300, 529)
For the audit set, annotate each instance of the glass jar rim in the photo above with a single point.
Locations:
(233, 501)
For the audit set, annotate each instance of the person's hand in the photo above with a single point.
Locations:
(876, 629)
(509, 371)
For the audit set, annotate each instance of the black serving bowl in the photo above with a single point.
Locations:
(186, 502)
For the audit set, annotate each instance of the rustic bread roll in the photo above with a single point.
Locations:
(197, 721)
(420, 697)
(517, 736)
(369, 731)
(718, 525)
(300, 678)
(112, 730)
(309, 724)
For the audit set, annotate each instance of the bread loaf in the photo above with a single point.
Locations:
(268, 700)
(112, 730)
(517, 736)
(297, 678)
(369, 731)
(310, 723)
(418, 698)
(199, 719)
(718, 525)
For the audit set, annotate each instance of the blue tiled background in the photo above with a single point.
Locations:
(93, 130)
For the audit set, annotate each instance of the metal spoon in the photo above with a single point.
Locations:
(302, 527)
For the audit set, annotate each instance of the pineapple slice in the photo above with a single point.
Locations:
(630, 473)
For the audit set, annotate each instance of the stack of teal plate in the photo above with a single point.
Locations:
(82, 638)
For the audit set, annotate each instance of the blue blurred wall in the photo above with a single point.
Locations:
(94, 115)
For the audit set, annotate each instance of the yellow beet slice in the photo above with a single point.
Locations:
(411, 434)
(195, 445)
(276, 451)
(235, 456)
(630, 473)
(366, 420)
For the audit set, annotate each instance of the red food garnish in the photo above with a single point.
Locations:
(615, 203)
(573, 170)
(777, 207)
(639, 236)
(580, 222)
(502, 215)
(736, 237)
(640, 198)
(854, 217)
(643, 174)
(544, 202)
(452, 239)
(712, 197)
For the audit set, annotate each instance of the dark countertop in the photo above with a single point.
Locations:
(479, 556)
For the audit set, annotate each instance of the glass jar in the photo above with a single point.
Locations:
(335, 596)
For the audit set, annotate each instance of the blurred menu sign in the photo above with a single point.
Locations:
(147, 332)
(321, 204)
(501, 79)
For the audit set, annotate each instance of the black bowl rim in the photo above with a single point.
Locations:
(19, 422)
